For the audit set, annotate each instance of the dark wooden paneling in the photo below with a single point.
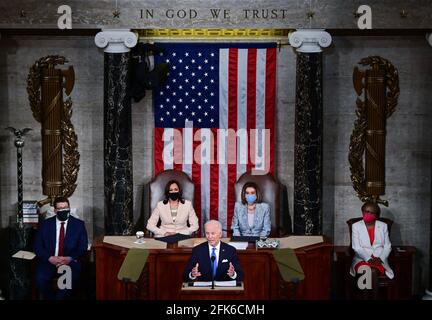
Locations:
(162, 276)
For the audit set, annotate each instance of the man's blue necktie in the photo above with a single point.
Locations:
(215, 261)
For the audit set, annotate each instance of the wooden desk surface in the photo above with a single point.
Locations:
(173, 247)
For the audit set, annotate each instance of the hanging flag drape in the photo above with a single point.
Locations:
(215, 118)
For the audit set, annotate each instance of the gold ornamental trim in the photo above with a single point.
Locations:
(48, 132)
(53, 183)
(207, 34)
(376, 184)
(371, 132)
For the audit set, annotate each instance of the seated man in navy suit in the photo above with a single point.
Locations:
(213, 258)
(60, 240)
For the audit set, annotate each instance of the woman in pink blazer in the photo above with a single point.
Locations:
(174, 213)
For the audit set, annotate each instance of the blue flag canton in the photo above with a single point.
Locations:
(191, 92)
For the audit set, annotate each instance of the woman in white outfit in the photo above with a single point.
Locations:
(371, 244)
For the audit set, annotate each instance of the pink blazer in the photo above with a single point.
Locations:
(185, 213)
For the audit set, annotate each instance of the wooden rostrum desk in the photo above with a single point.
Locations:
(161, 278)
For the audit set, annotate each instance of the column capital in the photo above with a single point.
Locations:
(116, 40)
(429, 38)
(310, 40)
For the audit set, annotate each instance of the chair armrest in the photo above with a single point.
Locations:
(343, 252)
(282, 232)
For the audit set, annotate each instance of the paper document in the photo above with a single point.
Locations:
(231, 283)
(24, 255)
(130, 242)
(202, 284)
(239, 245)
(295, 242)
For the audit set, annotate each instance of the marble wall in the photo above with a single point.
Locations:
(409, 141)
(409, 137)
(155, 14)
(17, 55)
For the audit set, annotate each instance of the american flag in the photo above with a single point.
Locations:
(215, 118)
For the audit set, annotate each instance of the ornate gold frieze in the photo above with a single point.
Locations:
(247, 34)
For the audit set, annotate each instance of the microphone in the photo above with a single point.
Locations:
(213, 258)
(295, 281)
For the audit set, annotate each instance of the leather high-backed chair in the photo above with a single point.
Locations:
(271, 194)
(158, 183)
(153, 192)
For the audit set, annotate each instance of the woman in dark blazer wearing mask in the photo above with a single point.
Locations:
(251, 216)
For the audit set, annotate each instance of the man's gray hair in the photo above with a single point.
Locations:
(214, 221)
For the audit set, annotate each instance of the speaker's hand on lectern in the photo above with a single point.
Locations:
(231, 271)
(195, 273)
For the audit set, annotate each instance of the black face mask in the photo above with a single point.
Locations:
(63, 214)
(174, 195)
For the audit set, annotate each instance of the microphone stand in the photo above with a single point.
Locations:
(126, 288)
(212, 267)
(295, 282)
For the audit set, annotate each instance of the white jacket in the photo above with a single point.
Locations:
(381, 247)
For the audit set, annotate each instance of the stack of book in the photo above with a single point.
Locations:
(30, 212)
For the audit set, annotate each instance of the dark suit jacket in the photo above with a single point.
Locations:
(201, 255)
(75, 242)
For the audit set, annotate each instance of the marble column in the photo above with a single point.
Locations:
(308, 130)
(20, 238)
(428, 294)
(118, 182)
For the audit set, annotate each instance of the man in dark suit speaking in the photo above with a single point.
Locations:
(213, 258)
(60, 240)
